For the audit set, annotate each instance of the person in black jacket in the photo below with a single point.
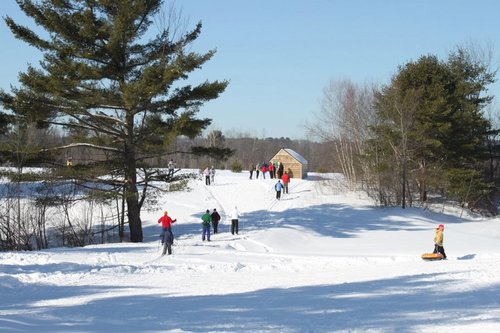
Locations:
(281, 170)
(215, 220)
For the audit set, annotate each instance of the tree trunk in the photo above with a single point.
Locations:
(134, 218)
(423, 182)
(131, 192)
(403, 204)
(133, 208)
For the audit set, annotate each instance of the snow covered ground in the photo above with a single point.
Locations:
(320, 260)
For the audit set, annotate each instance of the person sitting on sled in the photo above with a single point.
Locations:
(166, 226)
(438, 241)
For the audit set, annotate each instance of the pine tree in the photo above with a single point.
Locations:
(114, 86)
(430, 116)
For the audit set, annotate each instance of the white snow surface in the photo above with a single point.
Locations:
(322, 259)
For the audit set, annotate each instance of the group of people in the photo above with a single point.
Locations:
(274, 170)
(207, 220)
(209, 174)
(212, 219)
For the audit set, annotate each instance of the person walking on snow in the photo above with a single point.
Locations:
(206, 173)
(270, 168)
(286, 179)
(171, 168)
(438, 241)
(281, 168)
(166, 227)
(212, 174)
(215, 220)
(264, 170)
(251, 170)
(257, 168)
(206, 220)
(235, 215)
(278, 188)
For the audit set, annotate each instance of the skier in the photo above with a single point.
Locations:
(257, 169)
(166, 228)
(235, 215)
(206, 220)
(251, 168)
(278, 188)
(438, 241)
(215, 220)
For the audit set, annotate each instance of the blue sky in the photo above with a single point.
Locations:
(280, 54)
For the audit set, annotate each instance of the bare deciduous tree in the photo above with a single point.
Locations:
(344, 119)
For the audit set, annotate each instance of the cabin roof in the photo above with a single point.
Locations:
(295, 155)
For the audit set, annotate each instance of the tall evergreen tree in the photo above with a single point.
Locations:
(114, 86)
(434, 110)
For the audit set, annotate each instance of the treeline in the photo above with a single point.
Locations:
(248, 150)
(425, 135)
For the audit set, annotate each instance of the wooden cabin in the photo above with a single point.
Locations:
(293, 162)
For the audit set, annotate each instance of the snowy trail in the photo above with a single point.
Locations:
(320, 260)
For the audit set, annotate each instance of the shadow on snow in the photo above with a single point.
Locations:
(331, 220)
(390, 305)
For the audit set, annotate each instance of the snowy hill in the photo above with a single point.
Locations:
(320, 260)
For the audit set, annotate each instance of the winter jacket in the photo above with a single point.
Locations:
(235, 214)
(215, 217)
(285, 178)
(278, 187)
(206, 219)
(438, 238)
(166, 221)
(281, 168)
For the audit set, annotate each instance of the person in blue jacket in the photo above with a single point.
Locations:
(278, 187)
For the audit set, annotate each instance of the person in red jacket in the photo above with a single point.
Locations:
(286, 179)
(270, 168)
(166, 226)
(264, 170)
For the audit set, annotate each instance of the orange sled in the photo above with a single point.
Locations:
(432, 256)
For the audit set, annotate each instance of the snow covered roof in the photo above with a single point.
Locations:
(296, 155)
